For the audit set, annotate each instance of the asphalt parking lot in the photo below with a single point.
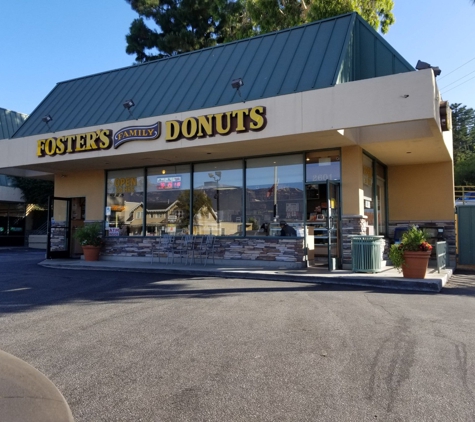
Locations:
(146, 347)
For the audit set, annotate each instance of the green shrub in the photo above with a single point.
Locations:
(415, 239)
(89, 234)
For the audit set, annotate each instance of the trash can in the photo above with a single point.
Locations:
(367, 253)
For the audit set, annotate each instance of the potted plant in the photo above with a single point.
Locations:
(412, 254)
(90, 238)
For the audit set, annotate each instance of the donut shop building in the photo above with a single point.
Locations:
(324, 126)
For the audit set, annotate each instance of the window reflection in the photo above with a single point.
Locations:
(168, 200)
(217, 198)
(381, 198)
(322, 166)
(125, 197)
(274, 192)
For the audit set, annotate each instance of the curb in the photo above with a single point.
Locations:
(425, 285)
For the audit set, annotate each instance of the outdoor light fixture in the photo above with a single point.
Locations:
(128, 105)
(47, 119)
(236, 84)
(423, 65)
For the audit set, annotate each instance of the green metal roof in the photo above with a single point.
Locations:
(312, 56)
(10, 121)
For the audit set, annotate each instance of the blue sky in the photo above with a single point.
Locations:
(49, 41)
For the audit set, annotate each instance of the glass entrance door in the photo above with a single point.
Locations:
(333, 224)
(59, 218)
(323, 224)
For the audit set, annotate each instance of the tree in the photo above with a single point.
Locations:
(378, 13)
(34, 191)
(201, 205)
(272, 15)
(187, 25)
(183, 26)
(463, 130)
(465, 172)
(463, 127)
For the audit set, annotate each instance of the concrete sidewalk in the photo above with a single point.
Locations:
(388, 278)
(26, 395)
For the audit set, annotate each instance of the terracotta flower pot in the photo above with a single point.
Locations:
(91, 253)
(415, 264)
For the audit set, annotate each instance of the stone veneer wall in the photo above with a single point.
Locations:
(357, 225)
(274, 250)
(448, 234)
(271, 250)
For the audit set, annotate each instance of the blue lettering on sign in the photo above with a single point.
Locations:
(137, 133)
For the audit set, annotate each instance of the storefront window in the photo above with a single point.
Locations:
(168, 200)
(322, 166)
(374, 195)
(381, 197)
(217, 198)
(368, 193)
(125, 199)
(274, 192)
(12, 224)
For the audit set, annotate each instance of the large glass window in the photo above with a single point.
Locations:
(125, 199)
(374, 195)
(12, 223)
(217, 198)
(168, 200)
(381, 197)
(322, 166)
(368, 193)
(274, 192)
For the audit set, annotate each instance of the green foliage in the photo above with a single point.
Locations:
(182, 26)
(465, 172)
(170, 27)
(89, 234)
(273, 15)
(463, 129)
(413, 240)
(34, 191)
(201, 205)
(396, 255)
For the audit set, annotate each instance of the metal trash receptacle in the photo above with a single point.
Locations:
(367, 253)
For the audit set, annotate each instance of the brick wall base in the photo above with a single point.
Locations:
(263, 251)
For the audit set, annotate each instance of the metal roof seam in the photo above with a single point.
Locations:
(263, 62)
(290, 62)
(306, 60)
(198, 74)
(247, 68)
(161, 83)
(323, 58)
(344, 49)
(205, 100)
(186, 70)
(277, 60)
